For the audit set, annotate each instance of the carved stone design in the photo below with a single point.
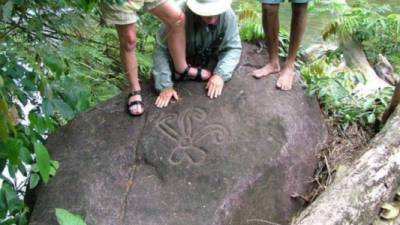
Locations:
(181, 129)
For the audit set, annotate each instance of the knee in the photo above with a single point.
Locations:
(271, 8)
(177, 21)
(128, 44)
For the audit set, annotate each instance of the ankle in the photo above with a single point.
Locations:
(290, 67)
(182, 68)
(274, 64)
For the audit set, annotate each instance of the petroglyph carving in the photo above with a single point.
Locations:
(188, 129)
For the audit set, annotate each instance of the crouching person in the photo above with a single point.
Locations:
(213, 49)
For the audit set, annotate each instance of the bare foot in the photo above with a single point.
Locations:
(268, 69)
(136, 109)
(285, 81)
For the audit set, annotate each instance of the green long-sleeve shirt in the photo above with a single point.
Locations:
(199, 38)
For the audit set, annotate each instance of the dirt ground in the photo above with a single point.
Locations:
(345, 145)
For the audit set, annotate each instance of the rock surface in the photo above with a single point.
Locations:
(231, 161)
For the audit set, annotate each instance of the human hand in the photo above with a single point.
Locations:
(165, 97)
(215, 86)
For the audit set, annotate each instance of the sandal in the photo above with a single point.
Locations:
(134, 103)
(185, 74)
(181, 76)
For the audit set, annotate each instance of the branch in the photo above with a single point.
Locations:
(394, 103)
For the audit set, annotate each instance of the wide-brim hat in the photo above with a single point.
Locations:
(209, 7)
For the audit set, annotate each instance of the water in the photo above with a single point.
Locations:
(316, 21)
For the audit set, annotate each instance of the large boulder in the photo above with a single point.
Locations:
(235, 160)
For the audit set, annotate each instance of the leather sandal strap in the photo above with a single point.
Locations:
(134, 93)
(186, 71)
(136, 103)
(198, 76)
(182, 75)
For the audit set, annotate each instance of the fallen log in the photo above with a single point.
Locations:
(355, 58)
(358, 192)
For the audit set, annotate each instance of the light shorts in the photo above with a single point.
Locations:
(126, 13)
(281, 1)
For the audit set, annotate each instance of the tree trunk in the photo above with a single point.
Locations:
(358, 192)
(355, 58)
(394, 103)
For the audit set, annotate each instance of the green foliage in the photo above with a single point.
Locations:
(66, 218)
(334, 88)
(146, 34)
(372, 26)
(55, 62)
(253, 31)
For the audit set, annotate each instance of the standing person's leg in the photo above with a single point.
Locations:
(270, 11)
(124, 17)
(298, 26)
(127, 40)
(174, 19)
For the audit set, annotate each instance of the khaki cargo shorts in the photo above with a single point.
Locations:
(126, 13)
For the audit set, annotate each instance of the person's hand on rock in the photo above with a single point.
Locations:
(215, 86)
(165, 97)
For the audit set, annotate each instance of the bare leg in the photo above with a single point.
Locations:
(174, 19)
(298, 26)
(271, 29)
(127, 40)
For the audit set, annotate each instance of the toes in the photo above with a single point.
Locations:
(257, 76)
(278, 84)
(136, 110)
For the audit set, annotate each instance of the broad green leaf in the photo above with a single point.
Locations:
(13, 147)
(14, 203)
(54, 63)
(34, 180)
(40, 123)
(47, 107)
(54, 167)
(55, 164)
(43, 161)
(3, 204)
(23, 217)
(52, 171)
(25, 155)
(35, 168)
(66, 218)
(63, 108)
